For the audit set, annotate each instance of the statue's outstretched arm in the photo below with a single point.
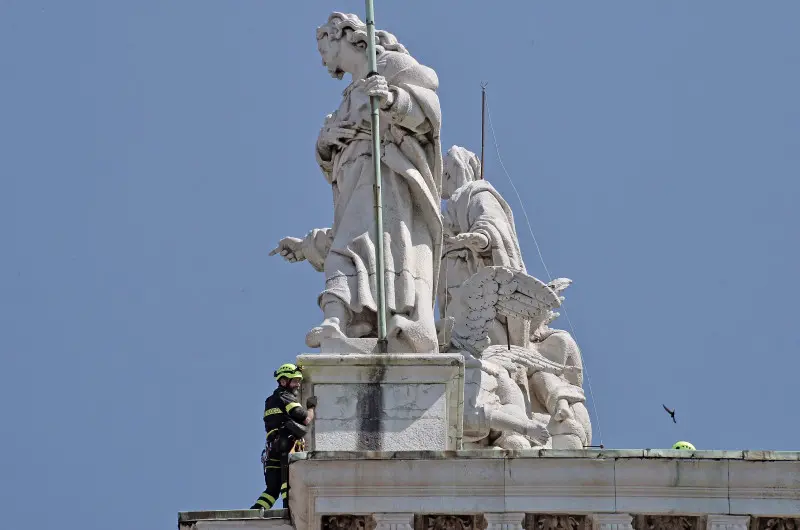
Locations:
(313, 248)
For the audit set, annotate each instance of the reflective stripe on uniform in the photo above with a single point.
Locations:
(270, 412)
(290, 406)
(266, 500)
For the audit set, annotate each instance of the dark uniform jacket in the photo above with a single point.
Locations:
(279, 407)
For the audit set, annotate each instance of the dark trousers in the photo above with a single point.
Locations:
(276, 477)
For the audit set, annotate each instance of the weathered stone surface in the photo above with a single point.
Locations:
(688, 486)
(344, 522)
(544, 521)
(768, 488)
(393, 521)
(605, 483)
(666, 522)
(447, 522)
(370, 402)
(727, 522)
(504, 521)
(235, 520)
(777, 523)
(612, 521)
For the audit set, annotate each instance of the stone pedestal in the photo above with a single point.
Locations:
(397, 402)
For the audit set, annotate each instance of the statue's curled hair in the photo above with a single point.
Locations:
(351, 27)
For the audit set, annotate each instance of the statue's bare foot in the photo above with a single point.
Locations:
(329, 329)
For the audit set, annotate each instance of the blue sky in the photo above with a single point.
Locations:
(152, 153)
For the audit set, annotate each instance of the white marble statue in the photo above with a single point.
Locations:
(478, 232)
(525, 387)
(560, 395)
(411, 184)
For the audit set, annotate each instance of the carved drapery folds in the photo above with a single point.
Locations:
(344, 522)
(666, 522)
(776, 523)
(541, 521)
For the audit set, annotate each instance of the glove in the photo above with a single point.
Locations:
(311, 402)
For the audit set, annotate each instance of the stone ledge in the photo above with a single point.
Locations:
(650, 482)
(230, 515)
(670, 454)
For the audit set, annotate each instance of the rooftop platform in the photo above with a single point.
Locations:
(607, 489)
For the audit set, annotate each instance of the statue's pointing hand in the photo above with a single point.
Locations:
(377, 85)
(290, 248)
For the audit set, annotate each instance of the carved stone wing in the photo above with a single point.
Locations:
(498, 290)
(532, 360)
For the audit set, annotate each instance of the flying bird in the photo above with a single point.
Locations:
(671, 413)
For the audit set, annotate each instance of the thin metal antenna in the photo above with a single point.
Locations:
(483, 122)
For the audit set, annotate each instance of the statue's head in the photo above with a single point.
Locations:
(460, 166)
(342, 43)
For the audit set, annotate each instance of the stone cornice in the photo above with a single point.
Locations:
(654, 482)
(670, 454)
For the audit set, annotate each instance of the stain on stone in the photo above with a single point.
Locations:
(370, 405)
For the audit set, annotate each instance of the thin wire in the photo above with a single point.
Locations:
(541, 258)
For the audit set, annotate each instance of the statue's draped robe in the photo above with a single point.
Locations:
(411, 186)
(545, 390)
(478, 208)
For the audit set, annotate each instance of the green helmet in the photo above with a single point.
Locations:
(289, 371)
(684, 445)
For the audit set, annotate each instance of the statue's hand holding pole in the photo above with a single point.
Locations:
(377, 86)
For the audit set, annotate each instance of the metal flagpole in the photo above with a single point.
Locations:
(380, 263)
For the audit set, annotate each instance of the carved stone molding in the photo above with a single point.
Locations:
(544, 521)
(666, 522)
(447, 522)
(344, 522)
(612, 521)
(776, 523)
(727, 522)
(504, 521)
(393, 521)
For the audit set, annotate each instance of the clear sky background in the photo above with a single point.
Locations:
(153, 152)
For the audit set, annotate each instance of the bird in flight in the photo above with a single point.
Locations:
(671, 413)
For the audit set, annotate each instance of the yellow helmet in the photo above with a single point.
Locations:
(684, 445)
(289, 371)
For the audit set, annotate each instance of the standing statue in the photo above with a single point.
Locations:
(411, 184)
(478, 232)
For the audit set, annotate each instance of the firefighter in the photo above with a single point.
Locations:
(285, 421)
